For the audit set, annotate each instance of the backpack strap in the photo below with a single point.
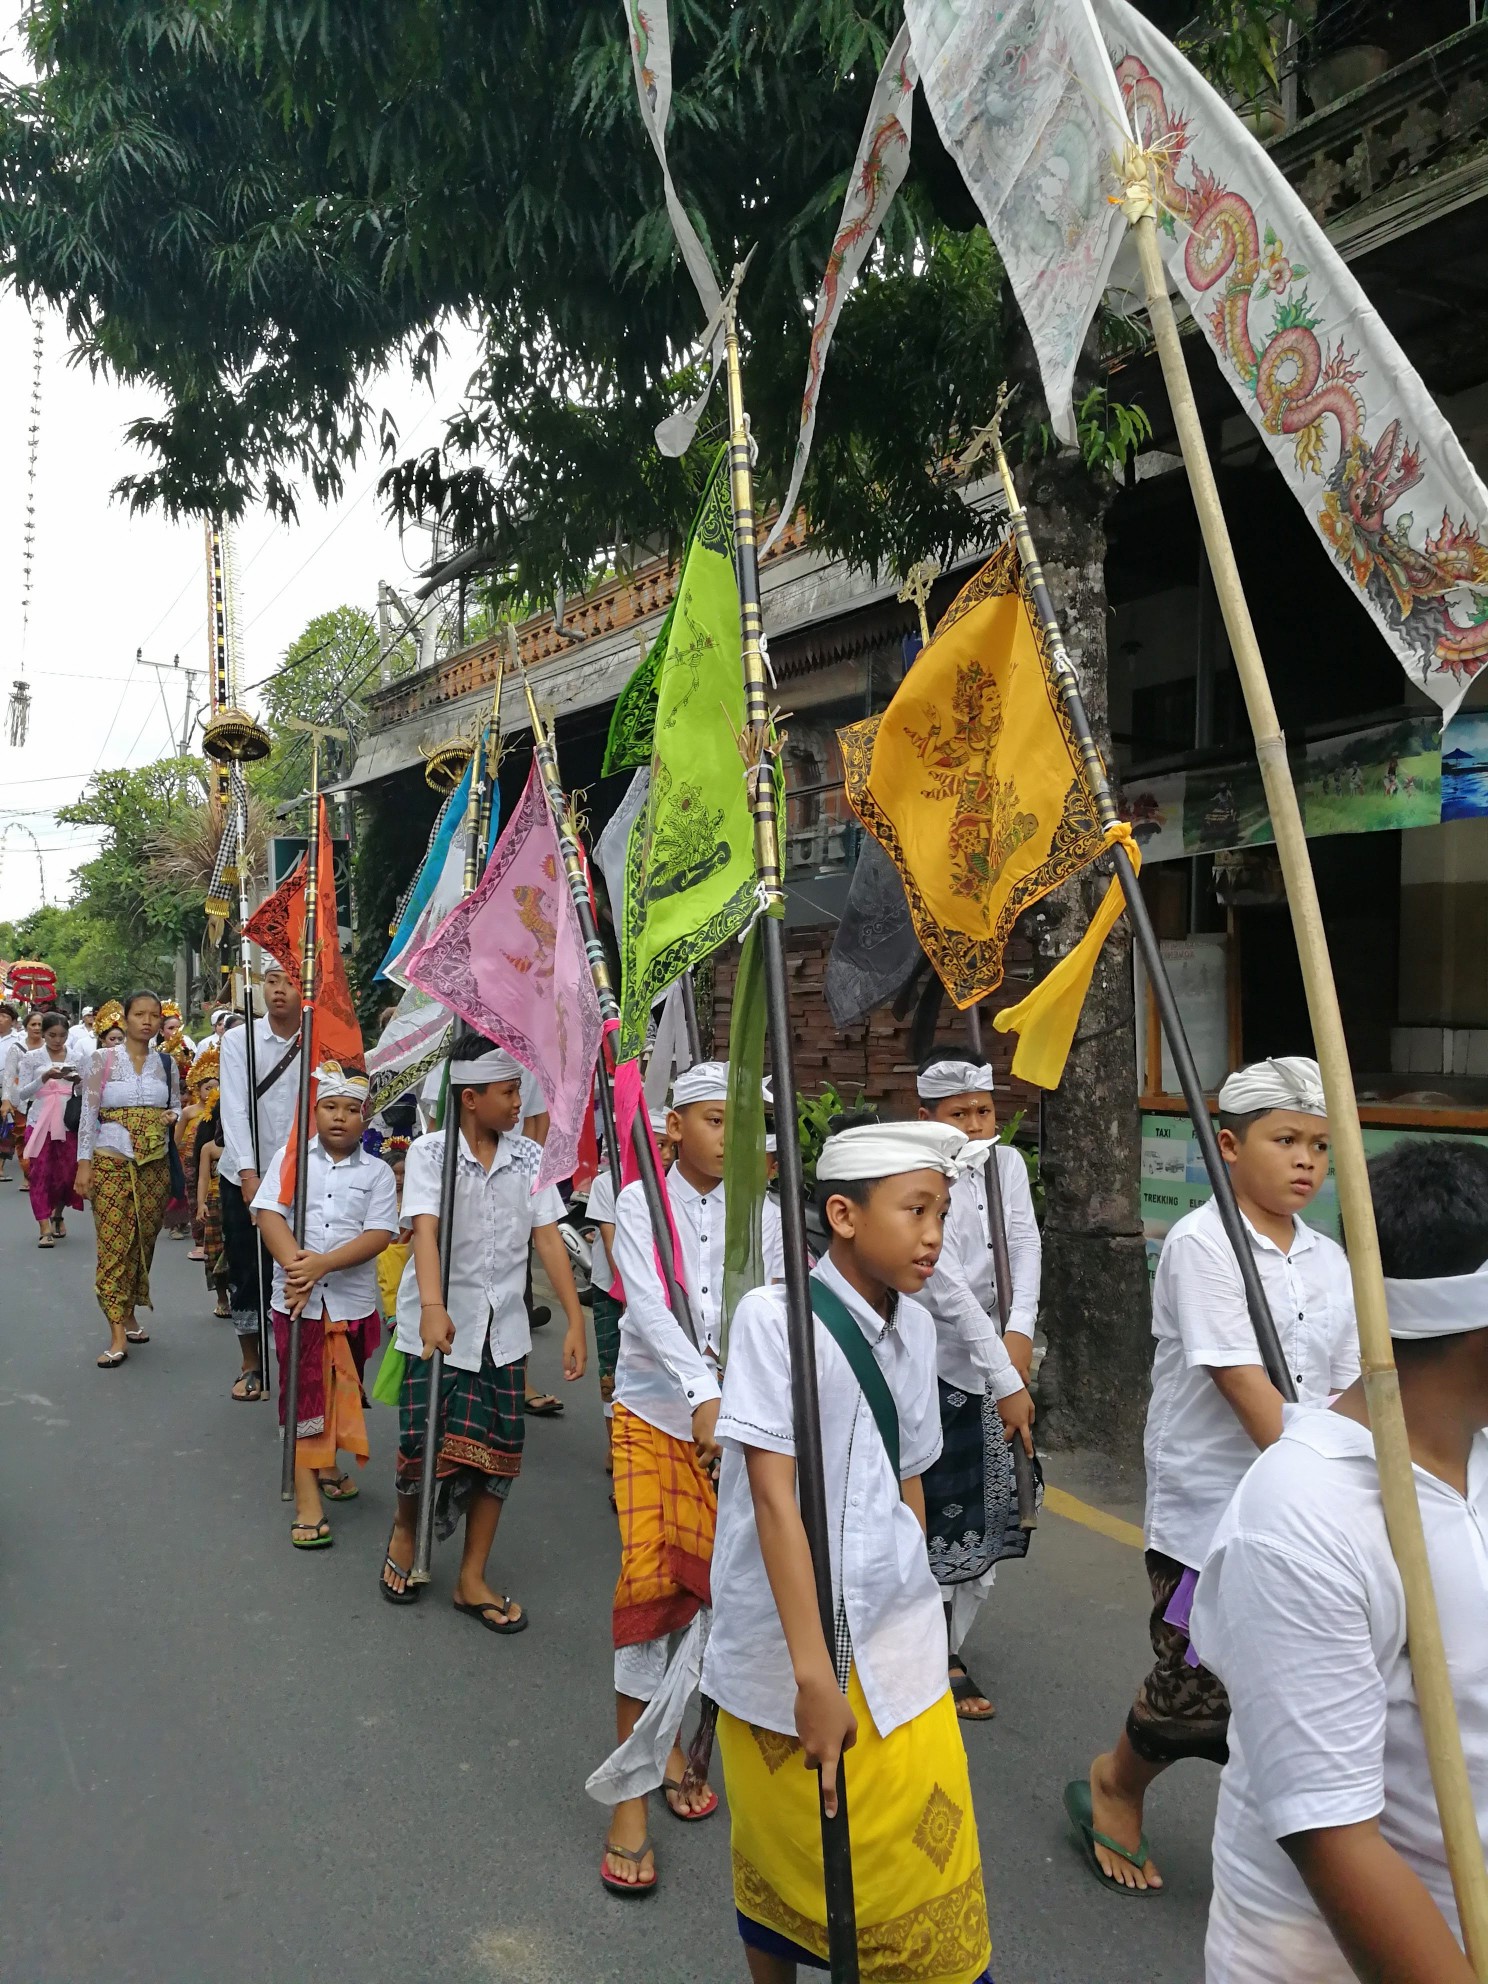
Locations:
(835, 1317)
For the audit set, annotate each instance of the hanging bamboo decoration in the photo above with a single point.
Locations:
(1381, 1382)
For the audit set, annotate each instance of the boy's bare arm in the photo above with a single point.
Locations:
(824, 1722)
(1378, 1909)
(1253, 1399)
(278, 1237)
(556, 1266)
(913, 1493)
(435, 1327)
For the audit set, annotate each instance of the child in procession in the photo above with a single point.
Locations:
(331, 1284)
(482, 1330)
(1329, 1863)
(662, 1442)
(1213, 1407)
(600, 1211)
(981, 1373)
(791, 1702)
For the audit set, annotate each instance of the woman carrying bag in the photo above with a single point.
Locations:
(47, 1086)
(129, 1168)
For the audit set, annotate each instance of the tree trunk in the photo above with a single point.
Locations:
(1096, 1310)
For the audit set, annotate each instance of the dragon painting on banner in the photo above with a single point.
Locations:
(1364, 448)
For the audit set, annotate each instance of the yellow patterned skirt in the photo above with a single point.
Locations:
(917, 1868)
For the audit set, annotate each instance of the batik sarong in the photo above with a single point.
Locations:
(1181, 1709)
(54, 1162)
(668, 1511)
(482, 1427)
(971, 1496)
(328, 1408)
(128, 1204)
(917, 1866)
(247, 1258)
(607, 1314)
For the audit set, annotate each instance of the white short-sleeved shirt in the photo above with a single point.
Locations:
(601, 1210)
(880, 1569)
(1301, 1614)
(962, 1293)
(344, 1198)
(1197, 1451)
(495, 1212)
(276, 1106)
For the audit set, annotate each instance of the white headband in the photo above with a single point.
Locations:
(770, 1145)
(707, 1082)
(657, 1118)
(332, 1080)
(1448, 1305)
(1288, 1081)
(272, 964)
(495, 1066)
(886, 1150)
(946, 1078)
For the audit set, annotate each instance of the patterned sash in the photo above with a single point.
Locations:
(149, 1133)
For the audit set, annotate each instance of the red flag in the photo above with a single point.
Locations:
(278, 924)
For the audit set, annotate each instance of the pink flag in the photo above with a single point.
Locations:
(510, 960)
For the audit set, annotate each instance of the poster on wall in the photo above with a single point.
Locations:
(1374, 780)
(1154, 808)
(1464, 767)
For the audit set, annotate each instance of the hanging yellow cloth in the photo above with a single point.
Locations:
(971, 780)
(1045, 1021)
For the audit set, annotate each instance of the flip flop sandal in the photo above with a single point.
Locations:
(46, 1240)
(342, 1489)
(410, 1592)
(197, 1254)
(253, 1388)
(628, 1890)
(112, 1359)
(479, 1614)
(964, 1689)
(59, 1230)
(320, 1537)
(542, 1405)
(138, 1336)
(1077, 1807)
(223, 1315)
(681, 1785)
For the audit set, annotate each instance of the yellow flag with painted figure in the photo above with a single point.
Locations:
(971, 782)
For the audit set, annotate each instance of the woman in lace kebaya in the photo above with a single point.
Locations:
(130, 1101)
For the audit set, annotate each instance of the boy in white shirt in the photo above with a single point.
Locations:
(1212, 1408)
(351, 1214)
(790, 1704)
(665, 1456)
(981, 1376)
(1328, 1855)
(481, 1327)
(608, 1308)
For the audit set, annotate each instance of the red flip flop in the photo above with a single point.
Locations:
(628, 1890)
(687, 1818)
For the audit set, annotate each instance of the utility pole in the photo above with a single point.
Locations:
(173, 668)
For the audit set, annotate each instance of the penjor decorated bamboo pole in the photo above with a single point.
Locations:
(760, 747)
(609, 1011)
(477, 833)
(1103, 799)
(1402, 1511)
(302, 1103)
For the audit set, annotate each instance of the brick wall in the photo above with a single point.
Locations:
(875, 1055)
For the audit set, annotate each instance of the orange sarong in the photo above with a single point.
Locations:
(668, 1512)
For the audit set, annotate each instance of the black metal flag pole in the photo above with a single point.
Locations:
(1104, 801)
(760, 746)
(477, 832)
(250, 1053)
(609, 1010)
(302, 1104)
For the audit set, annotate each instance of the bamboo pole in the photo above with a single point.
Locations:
(1402, 1511)
(238, 788)
(477, 818)
(760, 749)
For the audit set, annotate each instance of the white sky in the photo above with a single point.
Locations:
(106, 583)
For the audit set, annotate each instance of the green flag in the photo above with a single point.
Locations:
(689, 866)
(633, 724)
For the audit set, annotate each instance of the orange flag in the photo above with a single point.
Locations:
(278, 925)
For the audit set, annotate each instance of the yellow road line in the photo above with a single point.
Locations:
(1074, 1510)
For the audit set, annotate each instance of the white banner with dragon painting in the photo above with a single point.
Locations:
(1025, 101)
(1359, 441)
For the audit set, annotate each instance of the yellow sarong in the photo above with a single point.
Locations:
(917, 1867)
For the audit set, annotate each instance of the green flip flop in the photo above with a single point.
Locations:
(319, 1538)
(1078, 1808)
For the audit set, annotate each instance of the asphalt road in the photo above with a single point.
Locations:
(225, 1762)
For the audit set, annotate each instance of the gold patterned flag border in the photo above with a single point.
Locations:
(971, 966)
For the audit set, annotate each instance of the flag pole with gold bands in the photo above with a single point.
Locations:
(477, 832)
(1099, 787)
(609, 1012)
(760, 748)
